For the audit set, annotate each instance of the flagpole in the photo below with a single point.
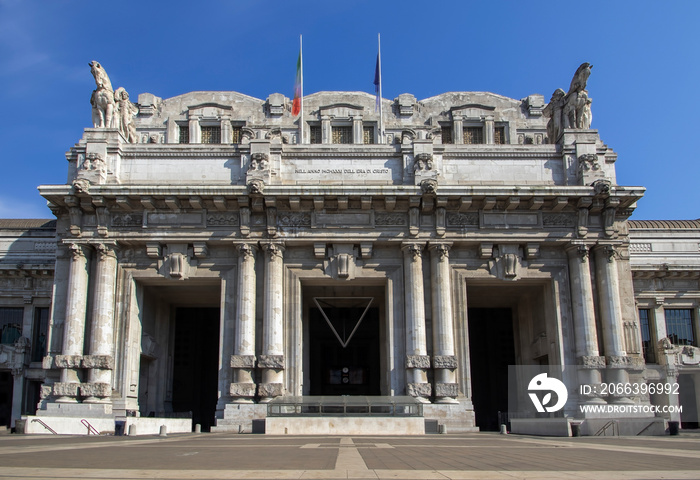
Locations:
(381, 115)
(301, 99)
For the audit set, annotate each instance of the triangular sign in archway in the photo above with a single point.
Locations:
(344, 328)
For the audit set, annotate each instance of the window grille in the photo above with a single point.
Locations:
(236, 134)
(499, 136)
(679, 326)
(446, 134)
(647, 338)
(39, 333)
(10, 324)
(342, 134)
(315, 134)
(211, 134)
(473, 135)
(368, 135)
(184, 134)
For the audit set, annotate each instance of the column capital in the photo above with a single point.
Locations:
(611, 252)
(106, 249)
(246, 249)
(273, 249)
(414, 249)
(76, 250)
(579, 250)
(442, 249)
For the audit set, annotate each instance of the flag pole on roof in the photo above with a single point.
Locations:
(298, 102)
(378, 89)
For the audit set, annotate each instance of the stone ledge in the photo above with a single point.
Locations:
(242, 361)
(417, 361)
(419, 389)
(444, 361)
(242, 390)
(68, 361)
(270, 389)
(271, 361)
(104, 362)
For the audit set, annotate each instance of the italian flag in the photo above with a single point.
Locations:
(296, 104)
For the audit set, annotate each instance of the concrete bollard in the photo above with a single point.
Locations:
(198, 428)
(163, 431)
(504, 429)
(132, 430)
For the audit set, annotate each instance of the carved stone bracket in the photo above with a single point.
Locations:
(417, 361)
(242, 361)
(591, 362)
(444, 361)
(446, 390)
(271, 361)
(419, 389)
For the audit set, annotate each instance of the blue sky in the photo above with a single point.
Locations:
(643, 84)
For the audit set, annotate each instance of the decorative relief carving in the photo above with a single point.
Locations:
(258, 161)
(271, 361)
(446, 389)
(294, 219)
(417, 361)
(242, 390)
(127, 220)
(390, 219)
(99, 390)
(588, 162)
(256, 187)
(422, 162)
(444, 361)
(624, 361)
(558, 220)
(222, 219)
(591, 362)
(419, 389)
(462, 219)
(267, 390)
(429, 186)
(242, 361)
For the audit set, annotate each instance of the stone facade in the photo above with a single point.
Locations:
(452, 206)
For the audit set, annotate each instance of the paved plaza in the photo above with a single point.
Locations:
(227, 456)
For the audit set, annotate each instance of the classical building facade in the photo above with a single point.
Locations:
(213, 254)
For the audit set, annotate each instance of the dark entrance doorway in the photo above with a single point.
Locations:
(196, 364)
(6, 388)
(339, 370)
(491, 350)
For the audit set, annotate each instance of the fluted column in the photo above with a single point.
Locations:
(444, 360)
(417, 359)
(611, 315)
(272, 358)
(586, 336)
(100, 361)
(243, 358)
(74, 326)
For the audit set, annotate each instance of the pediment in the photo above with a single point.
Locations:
(209, 110)
(341, 110)
(472, 110)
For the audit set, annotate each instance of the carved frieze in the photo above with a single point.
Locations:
(462, 220)
(554, 220)
(220, 219)
(390, 219)
(294, 219)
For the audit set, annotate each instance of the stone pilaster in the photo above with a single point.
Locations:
(243, 360)
(586, 336)
(444, 360)
(74, 328)
(101, 358)
(611, 315)
(272, 359)
(417, 360)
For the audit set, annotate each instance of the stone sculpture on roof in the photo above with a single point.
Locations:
(573, 109)
(111, 109)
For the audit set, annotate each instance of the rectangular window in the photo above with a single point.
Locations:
(368, 135)
(473, 135)
(342, 134)
(39, 333)
(10, 324)
(184, 134)
(211, 134)
(446, 135)
(499, 136)
(315, 134)
(679, 326)
(236, 134)
(647, 338)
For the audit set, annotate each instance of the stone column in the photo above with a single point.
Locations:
(611, 315)
(100, 361)
(417, 359)
(326, 132)
(357, 136)
(444, 360)
(73, 327)
(195, 130)
(587, 354)
(243, 358)
(489, 130)
(457, 129)
(272, 358)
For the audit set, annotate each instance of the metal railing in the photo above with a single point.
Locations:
(604, 429)
(41, 422)
(344, 406)
(90, 429)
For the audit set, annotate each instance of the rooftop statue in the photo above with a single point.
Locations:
(573, 109)
(111, 109)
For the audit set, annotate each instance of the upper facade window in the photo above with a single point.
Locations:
(473, 135)
(447, 135)
(10, 324)
(368, 135)
(236, 134)
(315, 134)
(499, 135)
(211, 134)
(679, 326)
(184, 134)
(341, 134)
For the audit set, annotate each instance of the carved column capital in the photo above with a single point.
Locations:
(413, 250)
(76, 250)
(442, 250)
(580, 251)
(246, 250)
(106, 250)
(273, 249)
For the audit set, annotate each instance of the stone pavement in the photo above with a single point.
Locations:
(227, 456)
